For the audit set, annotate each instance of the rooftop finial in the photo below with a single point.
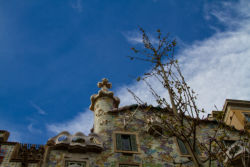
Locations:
(104, 85)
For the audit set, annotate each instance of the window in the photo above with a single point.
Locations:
(155, 130)
(62, 138)
(247, 116)
(126, 142)
(75, 164)
(183, 148)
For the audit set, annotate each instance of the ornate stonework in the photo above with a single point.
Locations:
(105, 85)
(78, 142)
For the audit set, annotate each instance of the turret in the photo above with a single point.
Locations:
(101, 103)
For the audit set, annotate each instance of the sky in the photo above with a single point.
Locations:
(53, 53)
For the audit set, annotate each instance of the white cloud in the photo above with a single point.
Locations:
(32, 129)
(83, 122)
(39, 110)
(135, 37)
(33, 126)
(140, 89)
(217, 67)
(77, 5)
(231, 14)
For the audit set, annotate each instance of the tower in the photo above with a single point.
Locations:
(101, 103)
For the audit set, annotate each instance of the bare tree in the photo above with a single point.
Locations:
(185, 118)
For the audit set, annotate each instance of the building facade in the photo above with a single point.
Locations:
(237, 114)
(116, 140)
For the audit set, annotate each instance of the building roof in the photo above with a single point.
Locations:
(233, 102)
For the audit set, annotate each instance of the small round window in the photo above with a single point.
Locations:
(62, 138)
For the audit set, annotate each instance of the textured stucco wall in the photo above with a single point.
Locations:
(102, 106)
(154, 151)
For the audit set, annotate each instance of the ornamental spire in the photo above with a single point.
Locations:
(104, 94)
(104, 85)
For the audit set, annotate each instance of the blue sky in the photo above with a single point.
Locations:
(52, 54)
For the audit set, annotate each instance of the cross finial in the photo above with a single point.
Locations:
(105, 84)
